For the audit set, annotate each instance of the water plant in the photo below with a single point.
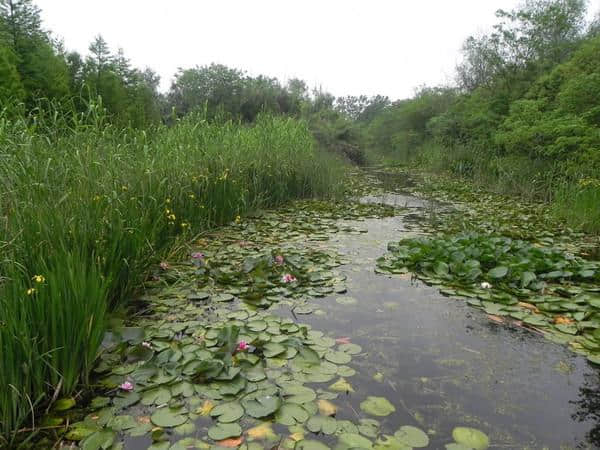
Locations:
(541, 287)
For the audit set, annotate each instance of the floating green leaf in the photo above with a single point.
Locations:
(412, 436)
(377, 406)
(222, 431)
(167, 417)
(261, 404)
(322, 424)
(291, 414)
(471, 437)
(228, 412)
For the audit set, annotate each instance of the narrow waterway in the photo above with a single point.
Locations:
(441, 363)
(446, 364)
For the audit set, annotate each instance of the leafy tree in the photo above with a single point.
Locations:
(42, 70)
(540, 31)
(217, 88)
(524, 43)
(11, 88)
(361, 108)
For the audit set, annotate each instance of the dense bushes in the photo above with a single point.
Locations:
(85, 212)
(525, 117)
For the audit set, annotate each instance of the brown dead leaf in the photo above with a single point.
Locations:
(494, 318)
(262, 431)
(529, 306)
(562, 320)
(231, 442)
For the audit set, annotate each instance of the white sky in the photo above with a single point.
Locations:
(349, 47)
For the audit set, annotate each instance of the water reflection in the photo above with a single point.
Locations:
(444, 364)
(588, 406)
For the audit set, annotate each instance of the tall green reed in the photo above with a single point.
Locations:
(87, 208)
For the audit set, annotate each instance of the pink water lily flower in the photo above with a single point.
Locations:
(127, 386)
(279, 259)
(242, 346)
(197, 255)
(164, 265)
(288, 278)
(343, 340)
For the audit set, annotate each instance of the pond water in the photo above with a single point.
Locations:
(448, 365)
(441, 363)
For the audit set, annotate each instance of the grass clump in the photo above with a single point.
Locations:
(87, 208)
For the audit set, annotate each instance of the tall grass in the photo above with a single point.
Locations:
(86, 208)
(579, 204)
(572, 193)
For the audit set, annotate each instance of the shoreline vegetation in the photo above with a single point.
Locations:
(85, 216)
(101, 175)
(523, 118)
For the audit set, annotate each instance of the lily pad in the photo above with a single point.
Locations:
(228, 412)
(260, 404)
(291, 414)
(100, 440)
(377, 406)
(338, 357)
(498, 272)
(222, 431)
(167, 417)
(348, 441)
(412, 436)
(322, 424)
(471, 437)
(307, 444)
(296, 393)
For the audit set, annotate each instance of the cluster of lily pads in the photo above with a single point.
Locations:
(229, 376)
(244, 368)
(539, 286)
(206, 364)
(474, 209)
(264, 276)
(470, 257)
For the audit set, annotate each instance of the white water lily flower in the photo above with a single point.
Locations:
(486, 285)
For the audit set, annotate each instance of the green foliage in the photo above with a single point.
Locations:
(578, 204)
(11, 88)
(526, 116)
(333, 131)
(403, 126)
(90, 209)
(539, 286)
(466, 259)
(561, 116)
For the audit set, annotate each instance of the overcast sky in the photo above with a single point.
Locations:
(349, 47)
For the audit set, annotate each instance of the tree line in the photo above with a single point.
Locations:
(526, 101)
(37, 70)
